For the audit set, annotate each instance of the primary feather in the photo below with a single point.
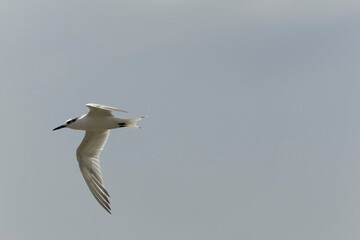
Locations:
(88, 154)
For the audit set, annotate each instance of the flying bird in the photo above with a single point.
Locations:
(97, 124)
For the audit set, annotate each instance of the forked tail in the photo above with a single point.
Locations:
(130, 122)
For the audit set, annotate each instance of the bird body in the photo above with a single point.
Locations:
(97, 124)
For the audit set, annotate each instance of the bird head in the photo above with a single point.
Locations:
(66, 124)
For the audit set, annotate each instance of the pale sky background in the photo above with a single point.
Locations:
(254, 119)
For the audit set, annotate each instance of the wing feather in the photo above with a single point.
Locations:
(88, 154)
(98, 109)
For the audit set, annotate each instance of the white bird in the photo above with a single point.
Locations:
(96, 123)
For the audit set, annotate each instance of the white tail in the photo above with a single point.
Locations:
(131, 122)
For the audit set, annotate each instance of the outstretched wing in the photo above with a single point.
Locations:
(87, 155)
(98, 109)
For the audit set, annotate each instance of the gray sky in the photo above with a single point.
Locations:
(253, 130)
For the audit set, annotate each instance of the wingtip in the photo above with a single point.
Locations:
(108, 210)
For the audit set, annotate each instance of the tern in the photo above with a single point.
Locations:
(97, 124)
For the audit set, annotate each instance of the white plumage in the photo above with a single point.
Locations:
(96, 123)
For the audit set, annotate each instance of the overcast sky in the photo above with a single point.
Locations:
(254, 119)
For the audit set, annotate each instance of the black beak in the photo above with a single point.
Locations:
(59, 127)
